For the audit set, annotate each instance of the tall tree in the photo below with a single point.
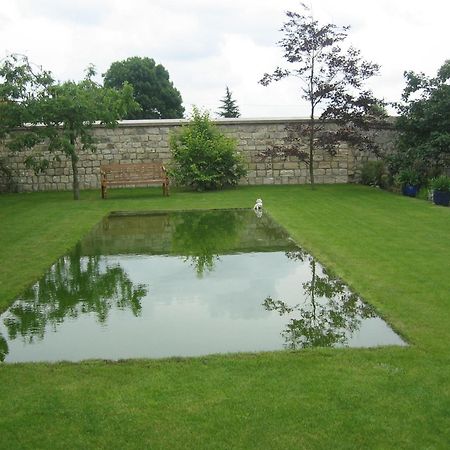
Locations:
(229, 107)
(153, 90)
(60, 115)
(424, 124)
(331, 81)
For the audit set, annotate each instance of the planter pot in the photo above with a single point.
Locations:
(441, 198)
(410, 190)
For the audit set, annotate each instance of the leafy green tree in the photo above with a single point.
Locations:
(205, 159)
(153, 90)
(331, 80)
(229, 106)
(60, 115)
(22, 87)
(424, 124)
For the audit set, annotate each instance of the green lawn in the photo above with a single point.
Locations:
(393, 250)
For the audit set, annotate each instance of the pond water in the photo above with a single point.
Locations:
(185, 284)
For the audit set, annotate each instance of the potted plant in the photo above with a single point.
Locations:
(441, 190)
(409, 180)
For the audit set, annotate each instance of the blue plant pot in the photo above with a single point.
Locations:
(410, 190)
(441, 198)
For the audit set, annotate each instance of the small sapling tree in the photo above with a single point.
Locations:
(332, 82)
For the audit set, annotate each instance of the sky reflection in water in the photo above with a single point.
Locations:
(185, 284)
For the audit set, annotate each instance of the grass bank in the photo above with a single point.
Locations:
(393, 250)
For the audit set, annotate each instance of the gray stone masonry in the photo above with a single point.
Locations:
(143, 141)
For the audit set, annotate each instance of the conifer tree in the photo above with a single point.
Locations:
(229, 107)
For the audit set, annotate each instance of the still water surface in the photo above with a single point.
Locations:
(185, 284)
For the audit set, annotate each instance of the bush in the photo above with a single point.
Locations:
(204, 159)
(373, 173)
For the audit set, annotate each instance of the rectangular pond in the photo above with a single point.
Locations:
(185, 284)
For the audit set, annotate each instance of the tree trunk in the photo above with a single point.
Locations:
(75, 182)
(312, 124)
(313, 289)
(74, 160)
(311, 148)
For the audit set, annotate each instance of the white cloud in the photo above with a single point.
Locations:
(206, 45)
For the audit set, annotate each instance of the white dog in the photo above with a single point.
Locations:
(258, 205)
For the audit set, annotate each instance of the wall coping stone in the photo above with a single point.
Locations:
(218, 121)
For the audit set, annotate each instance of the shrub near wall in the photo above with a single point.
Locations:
(203, 157)
(148, 140)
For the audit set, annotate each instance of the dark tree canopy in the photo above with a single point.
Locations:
(424, 124)
(152, 88)
(332, 81)
(229, 107)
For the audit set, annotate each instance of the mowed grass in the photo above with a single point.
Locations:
(392, 250)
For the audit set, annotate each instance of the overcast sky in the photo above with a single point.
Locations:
(206, 45)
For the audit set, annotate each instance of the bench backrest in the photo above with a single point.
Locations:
(136, 171)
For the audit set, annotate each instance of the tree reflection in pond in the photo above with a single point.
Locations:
(3, 348)
(329, 315)
(203, 237)
(75, 285)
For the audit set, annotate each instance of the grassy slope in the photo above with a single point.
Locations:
(393, 250)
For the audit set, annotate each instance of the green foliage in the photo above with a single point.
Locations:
(76, 285)
(329, 314)
(373, 173)
(202, 237)
(408, 177)
(22, 86)
(204, 158)
(440, 184)
(153, 90)
(229, 106)
(424, 124)
(60, 115)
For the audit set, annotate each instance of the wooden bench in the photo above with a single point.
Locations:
(133, 175)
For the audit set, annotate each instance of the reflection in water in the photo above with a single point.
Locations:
(202, 237)
(329, 314)
(74, 286)
(94, 302)
(3, 348)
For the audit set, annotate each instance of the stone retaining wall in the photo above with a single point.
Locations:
(148, 140)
